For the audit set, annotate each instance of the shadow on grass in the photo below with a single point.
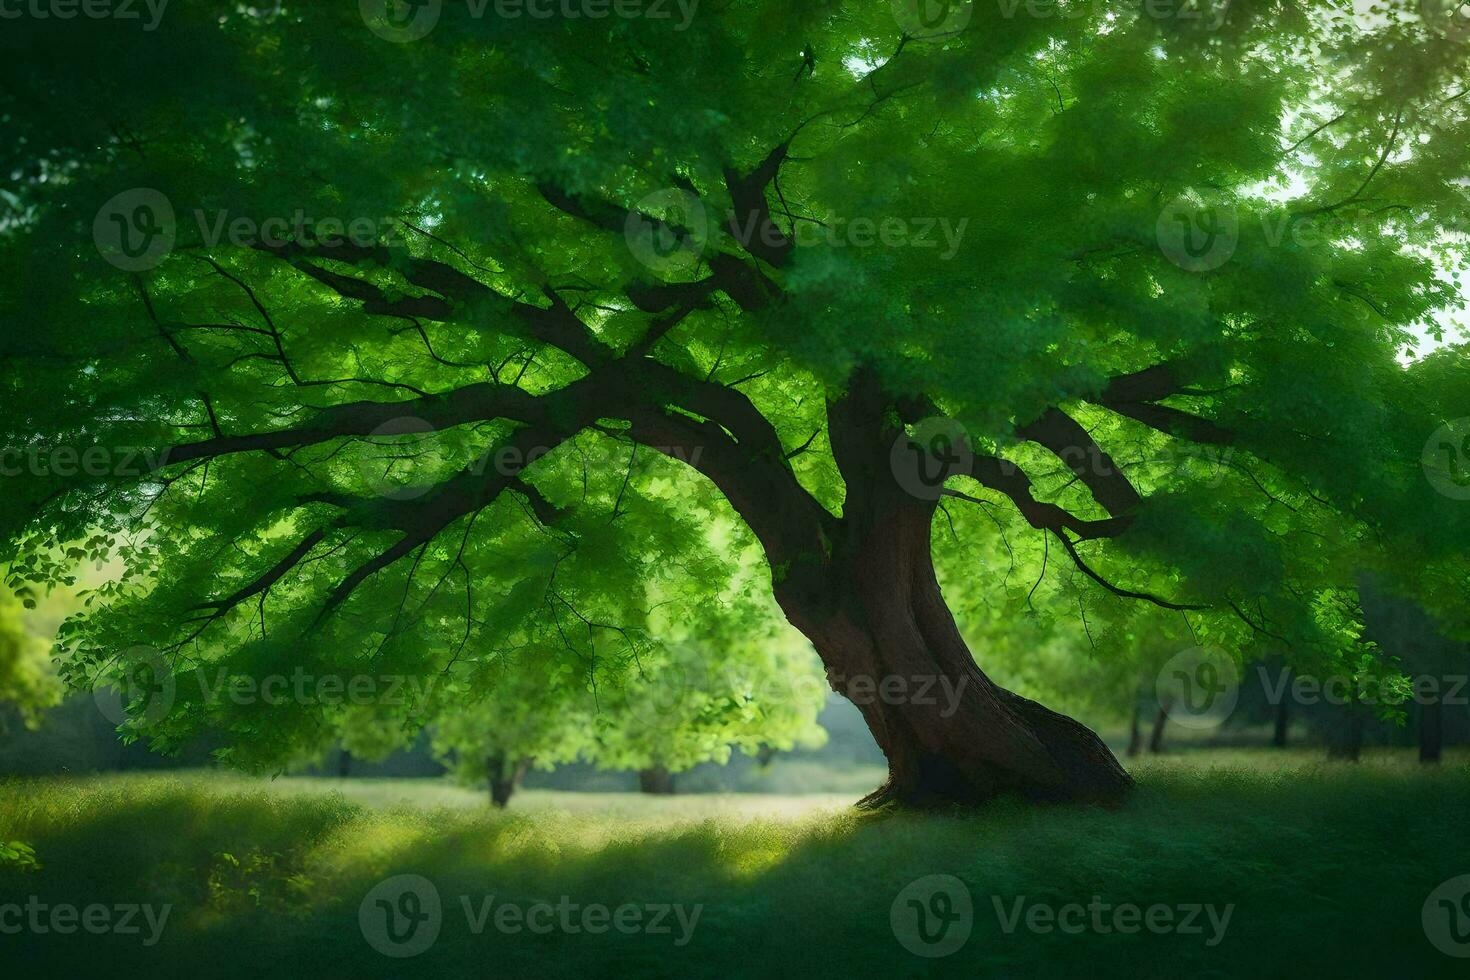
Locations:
(1324, 872)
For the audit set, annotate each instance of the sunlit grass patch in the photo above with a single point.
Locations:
(267, 879)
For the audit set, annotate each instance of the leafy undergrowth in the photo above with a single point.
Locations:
(1325, 871)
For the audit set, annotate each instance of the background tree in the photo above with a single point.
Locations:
(619, 280)
(495, 741)
(714, 684)
(27, 682)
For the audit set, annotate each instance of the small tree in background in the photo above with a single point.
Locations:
(27, 681)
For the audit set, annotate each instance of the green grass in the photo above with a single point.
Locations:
(1327, 868)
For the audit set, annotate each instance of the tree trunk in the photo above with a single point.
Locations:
(656, 780)
(765, 755)
(505, 778)
(1345, 738)
(872, 607)
(1135, 730)
(1431, 730)
(1156, 737)
(344, 763)
(1283, 719)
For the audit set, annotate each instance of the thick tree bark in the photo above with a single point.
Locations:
(1431, 730)
(504, 778)
(656, 780)
(1135, 730)
(1156, 737)
(872, 607)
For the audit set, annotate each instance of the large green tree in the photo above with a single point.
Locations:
(561, 289)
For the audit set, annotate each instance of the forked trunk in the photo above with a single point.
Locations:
(505, 778)
(1156, 737)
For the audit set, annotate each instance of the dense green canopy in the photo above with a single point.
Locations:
(1167, 265)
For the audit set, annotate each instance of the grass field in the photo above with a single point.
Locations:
(1291, 868)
